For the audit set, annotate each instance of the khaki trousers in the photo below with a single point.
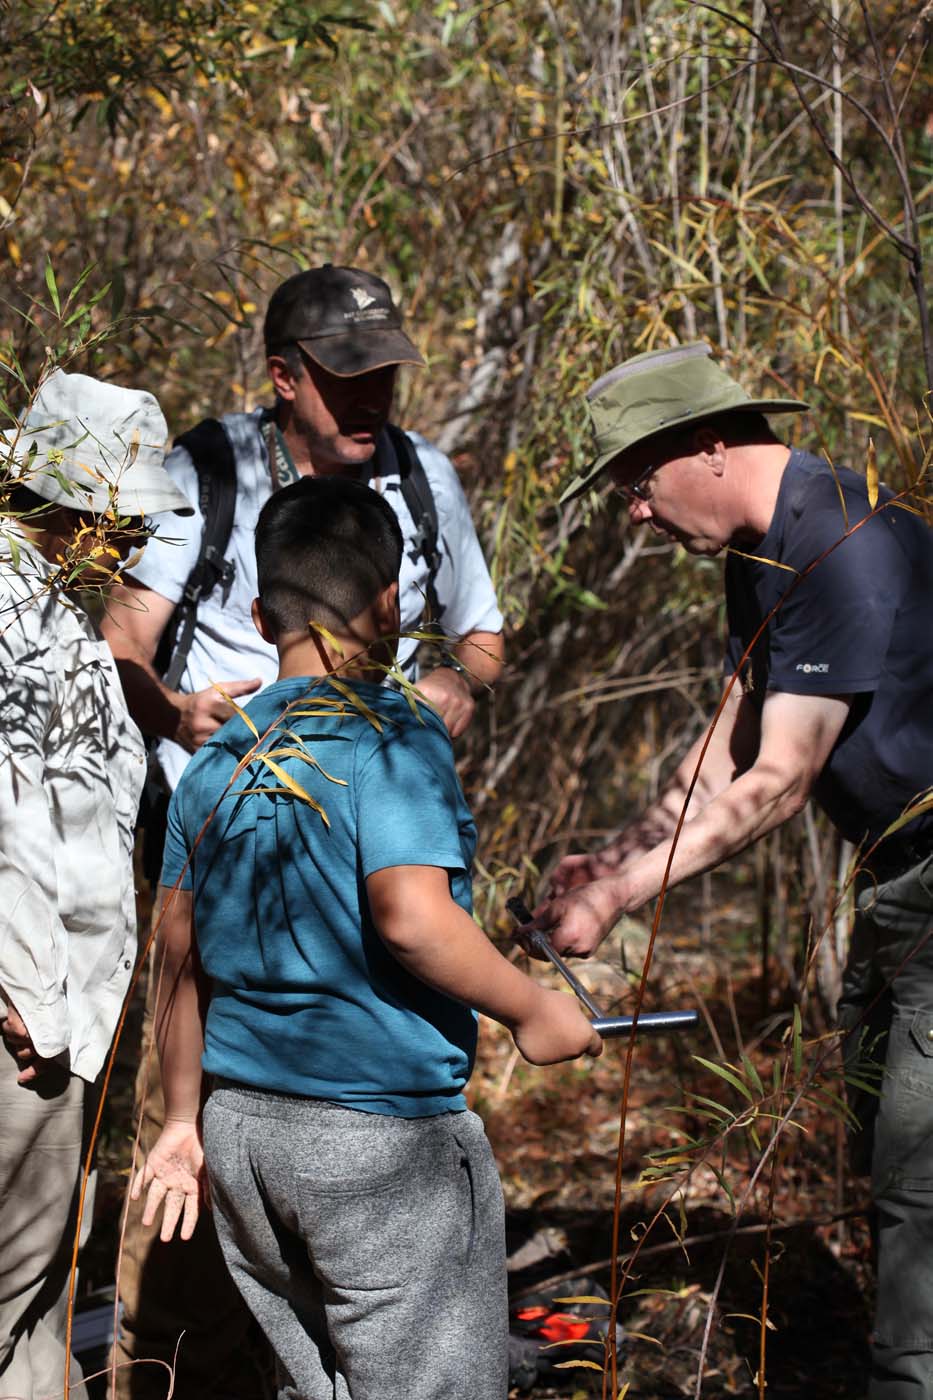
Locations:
(43, 1139)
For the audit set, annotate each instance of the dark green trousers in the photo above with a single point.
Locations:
(887, 1009)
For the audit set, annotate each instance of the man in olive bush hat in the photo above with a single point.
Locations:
(83, 472)
(834, 702)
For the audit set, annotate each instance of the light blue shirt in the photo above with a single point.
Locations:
(305, 997)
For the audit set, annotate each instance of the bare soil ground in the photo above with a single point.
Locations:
(555, 1135)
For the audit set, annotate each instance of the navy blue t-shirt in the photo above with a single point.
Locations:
(305, 997)
(860, 624)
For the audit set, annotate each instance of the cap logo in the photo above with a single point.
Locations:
(362, 299)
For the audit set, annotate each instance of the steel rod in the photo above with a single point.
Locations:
(609, 1027)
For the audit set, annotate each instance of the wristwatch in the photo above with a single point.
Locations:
(453, 664)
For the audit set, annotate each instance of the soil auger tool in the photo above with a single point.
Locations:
(650, 1022)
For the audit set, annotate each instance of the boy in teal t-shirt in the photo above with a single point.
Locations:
(316, 894)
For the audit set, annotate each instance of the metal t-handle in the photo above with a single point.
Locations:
(654, 1022)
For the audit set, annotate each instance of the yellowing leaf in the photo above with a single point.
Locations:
(871, 474)
(351, 696)
(759, 559)
(582, 1365)
(921, 804)
(294, 788)
(305, 757)
(326, 635)
(585, 1298)
(750, 1317)
(759, 189)
(871, 418)
(238, 709)
(130, 562)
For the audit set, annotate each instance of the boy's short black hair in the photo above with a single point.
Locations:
(326, 546)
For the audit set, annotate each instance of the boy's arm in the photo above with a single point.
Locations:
(437, 941)
(174, 1170)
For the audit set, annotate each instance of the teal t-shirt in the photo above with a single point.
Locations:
(305, 997)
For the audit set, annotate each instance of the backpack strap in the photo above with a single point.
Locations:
(419, 498)
(212, 454)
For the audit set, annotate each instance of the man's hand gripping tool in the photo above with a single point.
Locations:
(655, 1022)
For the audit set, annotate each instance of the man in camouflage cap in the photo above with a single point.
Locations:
(828, 604)
(334, 343)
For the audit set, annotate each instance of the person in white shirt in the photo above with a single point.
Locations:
(86, 475)
(334, 342)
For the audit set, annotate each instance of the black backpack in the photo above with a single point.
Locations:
(209, 449)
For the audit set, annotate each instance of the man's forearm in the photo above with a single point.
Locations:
(706, 770)
(659, 821)
(452, 693)
(133, 624)
(653, 826)
(156, 709)
(747, 809)
(483, 655)
(796, 735)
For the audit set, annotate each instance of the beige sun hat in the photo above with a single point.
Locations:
(659, 390)
(91, 446)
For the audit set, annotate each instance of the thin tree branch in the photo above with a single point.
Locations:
(815, 1222)
(778, 56)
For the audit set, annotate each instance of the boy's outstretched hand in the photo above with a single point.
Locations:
(555, 1029)
(174, 1173)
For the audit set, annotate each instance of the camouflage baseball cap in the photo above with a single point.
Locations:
(345, 319)
(656, 391)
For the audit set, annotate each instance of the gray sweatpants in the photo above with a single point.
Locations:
(370, 1249)
(887, 1003)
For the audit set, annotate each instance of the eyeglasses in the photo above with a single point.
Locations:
(637, 490)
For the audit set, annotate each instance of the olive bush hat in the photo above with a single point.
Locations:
(343, 318)
(659, 390)
(90, 446)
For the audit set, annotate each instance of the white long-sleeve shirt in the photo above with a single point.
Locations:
(72, 766)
